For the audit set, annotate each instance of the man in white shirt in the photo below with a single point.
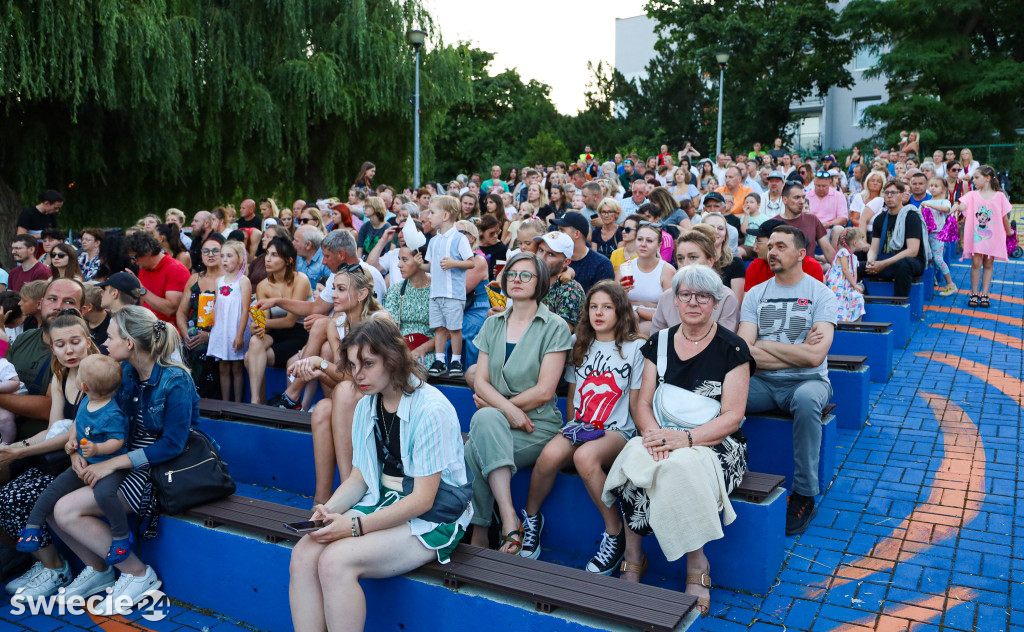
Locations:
(634, 201)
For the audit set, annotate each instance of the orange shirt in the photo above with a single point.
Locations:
(737, 202)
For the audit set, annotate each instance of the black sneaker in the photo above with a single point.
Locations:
(282, 400)
(609, 554)
(437, 369)
(532, 526)
(799, 513)
(455, 369)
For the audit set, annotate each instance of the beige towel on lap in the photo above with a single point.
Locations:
(686, 491)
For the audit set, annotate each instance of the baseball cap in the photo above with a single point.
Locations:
(713, 197)
(776, 174)
(574, 219)
(766, 228)
(123, 282)
(558, 242)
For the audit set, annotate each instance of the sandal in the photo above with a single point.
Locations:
(704, 580)
(632, 567)
(30, 539)
(514, 538)
(120, 549)
(983, 301)
(972, 301)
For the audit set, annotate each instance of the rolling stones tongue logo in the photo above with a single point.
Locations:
(597, 398)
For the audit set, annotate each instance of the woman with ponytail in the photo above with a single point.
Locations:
(159, 398)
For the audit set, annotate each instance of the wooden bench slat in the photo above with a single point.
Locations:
(846, 362)
(254, 413)
(863, 326)
(892, 300)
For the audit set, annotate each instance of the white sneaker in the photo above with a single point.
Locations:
(89, 582)
(128, 591)
(47, 581)
(23, 580)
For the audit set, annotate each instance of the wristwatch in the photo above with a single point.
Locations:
(323, 364)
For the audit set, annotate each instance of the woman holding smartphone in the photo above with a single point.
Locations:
(406, 501)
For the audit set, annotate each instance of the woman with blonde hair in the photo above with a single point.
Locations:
(310, 216)
(730, 268)
(268, 210)
(865, 204)
(605, 240)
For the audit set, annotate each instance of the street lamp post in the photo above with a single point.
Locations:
(722, 57)
(416, 37)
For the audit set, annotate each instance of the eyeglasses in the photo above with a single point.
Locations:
(954, 169)
(892, 193)
(522, 277)
(210, 251)
(703, 298)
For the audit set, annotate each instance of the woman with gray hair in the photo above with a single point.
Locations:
(521, 356)
(674, 478)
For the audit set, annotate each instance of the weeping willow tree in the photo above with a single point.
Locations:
(133, 106)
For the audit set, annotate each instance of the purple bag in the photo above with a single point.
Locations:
(580, 433)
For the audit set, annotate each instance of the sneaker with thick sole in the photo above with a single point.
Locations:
(89, 582)
(948, 290)
(455, 369)
(437, 369)
(128, 589)
(47, 581)
(609, 553)
(532, 526)
(799, 513)
(283, 401)
(24, 579)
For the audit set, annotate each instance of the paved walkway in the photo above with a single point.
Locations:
(917, 530)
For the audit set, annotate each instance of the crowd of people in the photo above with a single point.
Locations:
(670, 295)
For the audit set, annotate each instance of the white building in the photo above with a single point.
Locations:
(833, 122)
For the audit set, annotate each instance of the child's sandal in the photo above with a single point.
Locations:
(119, 551)
(983, 301)
(30, 539)
(972, 301)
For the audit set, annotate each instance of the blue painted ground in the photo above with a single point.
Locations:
(917, 530)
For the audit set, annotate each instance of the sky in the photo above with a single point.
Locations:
(530, 35)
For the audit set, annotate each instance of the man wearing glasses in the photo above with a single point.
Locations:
(788, 322)
(898, 248)
(162, 276)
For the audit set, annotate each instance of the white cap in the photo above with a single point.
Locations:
(558, 242)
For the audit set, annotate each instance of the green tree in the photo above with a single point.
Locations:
(954, 68)
(494, 121)
(545, 148)
(782, 51)
(132, 107)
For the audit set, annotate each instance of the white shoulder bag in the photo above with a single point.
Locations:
(675, 407)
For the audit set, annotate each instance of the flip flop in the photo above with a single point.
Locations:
(515, 538)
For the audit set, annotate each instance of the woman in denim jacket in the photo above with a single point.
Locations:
(159, 398)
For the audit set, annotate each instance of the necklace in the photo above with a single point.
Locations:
(387, 420)
(698, 340)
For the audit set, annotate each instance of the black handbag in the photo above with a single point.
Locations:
(196, 476)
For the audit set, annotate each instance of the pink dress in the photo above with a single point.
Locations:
(984, 233)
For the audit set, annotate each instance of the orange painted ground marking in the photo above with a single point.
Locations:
(899, 617)
(980, 313)
(117, 623)
(1009, 341)
(938, 518)
(997, 297)
(1009, 385)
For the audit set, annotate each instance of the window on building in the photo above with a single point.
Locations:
(865, 59)
(859, 105)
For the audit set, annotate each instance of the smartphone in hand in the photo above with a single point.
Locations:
(307, 526)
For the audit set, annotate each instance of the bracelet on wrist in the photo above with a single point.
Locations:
(689, 437)
(355, 532)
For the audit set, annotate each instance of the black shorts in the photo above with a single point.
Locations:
(287, 342)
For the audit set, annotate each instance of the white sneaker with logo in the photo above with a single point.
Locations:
(47, 581)
(89, 582)
(23, 580)
(128, 591)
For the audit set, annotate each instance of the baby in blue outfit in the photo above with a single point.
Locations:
(100, 433)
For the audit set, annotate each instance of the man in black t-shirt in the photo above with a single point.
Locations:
(898, 248)
(35, 219)
(590, 267)
(247, 215)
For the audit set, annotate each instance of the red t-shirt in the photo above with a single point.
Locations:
(758, 272)
(170, 275)
(20, 277)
